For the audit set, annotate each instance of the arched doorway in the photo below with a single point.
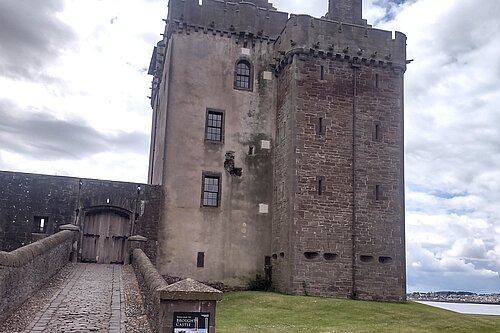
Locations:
(105, 234)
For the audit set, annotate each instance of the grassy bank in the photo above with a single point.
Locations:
(247, 312)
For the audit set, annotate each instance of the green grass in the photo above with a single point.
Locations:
(247, 312)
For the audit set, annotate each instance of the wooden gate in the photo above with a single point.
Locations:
(104, 238)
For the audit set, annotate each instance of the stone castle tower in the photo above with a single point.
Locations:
(278, 141)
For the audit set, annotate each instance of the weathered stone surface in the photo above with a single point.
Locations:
(150, 281)
(63, 200)
(190, 289)
(333, 117)
(25, 270)
(90, 300)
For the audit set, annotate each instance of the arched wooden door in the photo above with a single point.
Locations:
(105, 236)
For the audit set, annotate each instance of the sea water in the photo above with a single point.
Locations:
(467, 308)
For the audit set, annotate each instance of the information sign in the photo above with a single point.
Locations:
(191, 322)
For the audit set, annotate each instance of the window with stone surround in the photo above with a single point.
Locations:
(40, 224)
(211, 190)
(377, 131)
(320, 125)
(320, 185)
(200, 260)
(243, 75)
(214, 128)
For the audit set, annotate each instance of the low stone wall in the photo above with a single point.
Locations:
(26, 269)
(150, 281)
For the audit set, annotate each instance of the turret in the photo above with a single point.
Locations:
(347, 11)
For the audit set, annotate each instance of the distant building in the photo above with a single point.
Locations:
(278, 142)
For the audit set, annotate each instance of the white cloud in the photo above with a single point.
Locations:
(453, 158)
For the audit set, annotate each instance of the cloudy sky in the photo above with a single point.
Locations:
(73, 101)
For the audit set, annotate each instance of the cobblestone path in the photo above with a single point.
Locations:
(90, 300)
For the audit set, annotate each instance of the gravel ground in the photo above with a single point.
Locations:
(136, 321)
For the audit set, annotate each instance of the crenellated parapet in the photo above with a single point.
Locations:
(308, 36)
(258, 18)
(246, 22)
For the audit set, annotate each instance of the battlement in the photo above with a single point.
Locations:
(306, 34)
(256, 17)
(349, 11)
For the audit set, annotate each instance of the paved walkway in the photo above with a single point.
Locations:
(90, 300)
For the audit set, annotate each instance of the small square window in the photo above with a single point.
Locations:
(40, 224)
(211, 191)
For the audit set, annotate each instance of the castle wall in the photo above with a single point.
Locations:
(379, 162)
(323, 216)
(63, 200)
(283, 231)
(343, 243)
(333, 177)
(258, 18)
(161, 89)
(234, 237)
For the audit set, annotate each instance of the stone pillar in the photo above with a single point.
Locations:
(135, 242)
(74, 243)
(187, 304)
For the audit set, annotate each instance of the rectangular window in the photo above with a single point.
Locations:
(40, 224)
(320, 129)
(243, 75)
(377, 131)
(200, 260)
(375, 79)
(214, 126)
(267, 261)
(211, 191)
(377, 192)
(322, 75)
(320, 184)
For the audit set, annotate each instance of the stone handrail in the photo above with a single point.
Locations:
(25, 270)
(28, 253)
(162, 301)
(150, 282)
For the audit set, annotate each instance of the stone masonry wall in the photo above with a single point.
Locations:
(63, 200)
(380, 236)
(341, 87)
(230, 17)
(25, 270)
(149, 282)
(323, 216)
(284, 185)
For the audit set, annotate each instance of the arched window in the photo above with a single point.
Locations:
(243, 75)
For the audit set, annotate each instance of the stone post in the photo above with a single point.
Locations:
(188, 304)
(74, 243)
(135, 242)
